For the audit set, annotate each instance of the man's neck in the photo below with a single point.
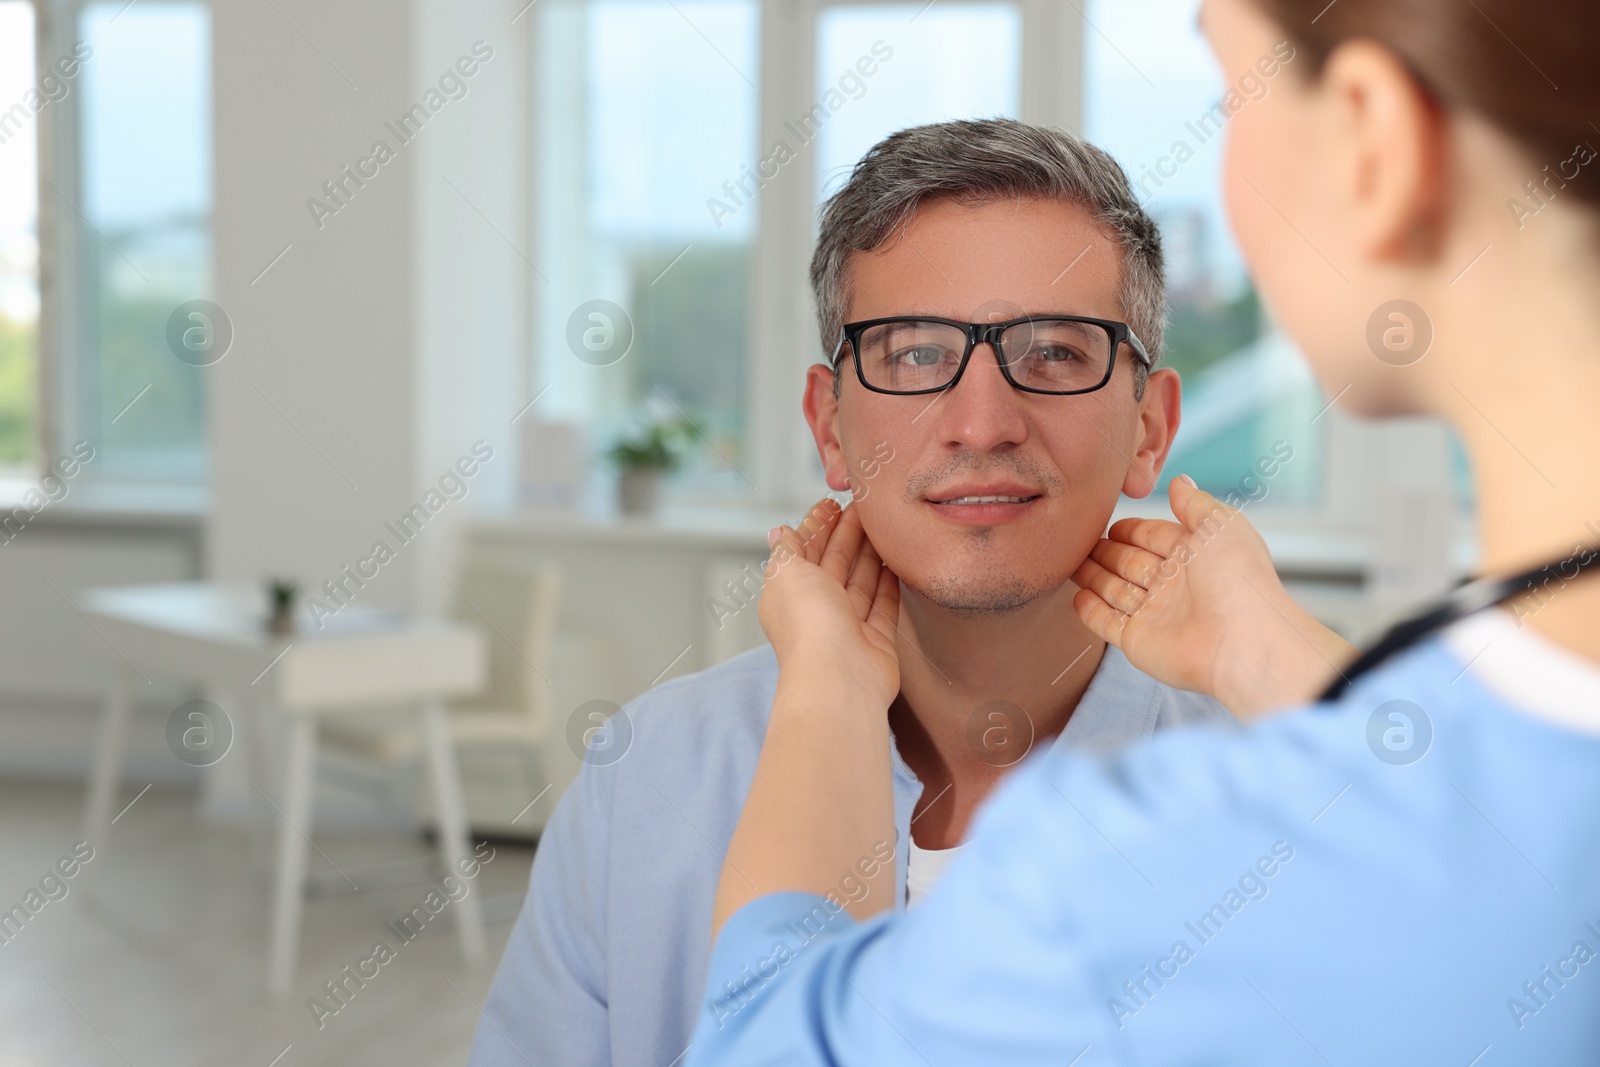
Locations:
(973, 690)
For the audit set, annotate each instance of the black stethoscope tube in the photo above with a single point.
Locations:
(1471, 598)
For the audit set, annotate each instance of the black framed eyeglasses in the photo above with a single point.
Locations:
(1059, 355)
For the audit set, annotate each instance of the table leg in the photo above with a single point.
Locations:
(293, 841)
(452, 815)
(251, 731)
(107, 762)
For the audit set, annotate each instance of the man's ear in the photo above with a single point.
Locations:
(822, 415)
(1159, 412)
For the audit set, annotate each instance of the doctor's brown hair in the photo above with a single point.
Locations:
(1526, 66)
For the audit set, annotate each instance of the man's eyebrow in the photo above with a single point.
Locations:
(1037, 313)
(913, 313)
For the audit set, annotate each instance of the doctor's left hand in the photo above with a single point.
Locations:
(830, 606)
(1197, 604)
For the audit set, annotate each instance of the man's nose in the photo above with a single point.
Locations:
(982, 412)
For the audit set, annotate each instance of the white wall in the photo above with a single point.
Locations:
(392, 337)
(54, 665)
(477, 265)
(388, 339)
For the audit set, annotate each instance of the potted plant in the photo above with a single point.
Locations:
(281, 594)
(642, 458)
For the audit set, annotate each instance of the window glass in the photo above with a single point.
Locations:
(1155, 99)
(143, 211)
(647, 135)
(883, 67)
(20, 95)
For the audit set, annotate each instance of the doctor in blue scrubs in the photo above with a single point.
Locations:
(1404, 869)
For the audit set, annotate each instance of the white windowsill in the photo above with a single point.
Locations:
(111, 503)
(675, 526)
(1298, 552)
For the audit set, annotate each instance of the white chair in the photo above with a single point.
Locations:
(504, 727)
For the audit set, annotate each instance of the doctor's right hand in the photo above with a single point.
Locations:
(1197, 604)
(830, 607)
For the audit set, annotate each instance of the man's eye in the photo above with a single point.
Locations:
(1054, 353)
(920, 357)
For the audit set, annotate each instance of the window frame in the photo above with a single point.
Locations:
(64, 236)
(60, 242)
(46, 131)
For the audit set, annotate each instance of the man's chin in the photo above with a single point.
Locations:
(969, 599)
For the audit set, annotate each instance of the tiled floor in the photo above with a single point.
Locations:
(156, 957)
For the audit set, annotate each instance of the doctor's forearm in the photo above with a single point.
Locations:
(821, 801)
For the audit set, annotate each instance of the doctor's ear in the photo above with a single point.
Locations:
(1388, 143)
(1159, 412)
(821, 409)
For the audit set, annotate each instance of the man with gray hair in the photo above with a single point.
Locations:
(991, 303)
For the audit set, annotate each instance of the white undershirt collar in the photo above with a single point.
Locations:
(1527, 670)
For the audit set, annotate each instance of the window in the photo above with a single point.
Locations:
(647, 220)
(1156, 101)
(134, 208)
(923, 66)
(105, 176)
(19, 232)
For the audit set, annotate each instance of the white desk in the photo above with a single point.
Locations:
(215, 636)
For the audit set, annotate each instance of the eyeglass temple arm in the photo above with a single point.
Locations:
(838, 350)
(1138, 346)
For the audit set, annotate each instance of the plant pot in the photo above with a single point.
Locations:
(639, 491)
(282, 593)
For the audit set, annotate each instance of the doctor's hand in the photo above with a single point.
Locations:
(830, 607)
(819, 800)
(1197, 604)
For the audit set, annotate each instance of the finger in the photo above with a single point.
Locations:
(1153, 535)
(863, 581)
(817, 527)
(786, 548)
(885, 617)
(1103, 620)
(1198, 510)
(1127, 562)
(844, 545)
(1117, 592)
